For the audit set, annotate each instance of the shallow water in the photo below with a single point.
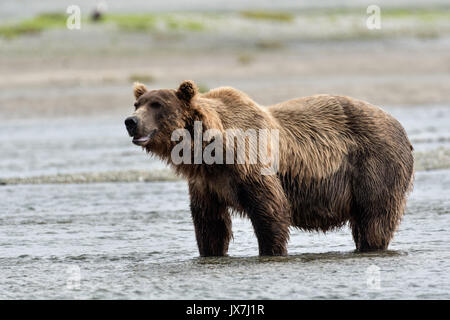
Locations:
(136, 240)
(47, 147)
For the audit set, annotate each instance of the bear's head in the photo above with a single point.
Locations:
(158, 113)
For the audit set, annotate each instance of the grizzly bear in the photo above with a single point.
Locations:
(339, 160)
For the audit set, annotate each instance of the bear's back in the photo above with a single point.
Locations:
(314, 135)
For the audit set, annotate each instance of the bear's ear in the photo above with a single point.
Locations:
(187, 90)
(139, 89)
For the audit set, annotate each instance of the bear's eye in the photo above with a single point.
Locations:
(155, 105)
(136, 105)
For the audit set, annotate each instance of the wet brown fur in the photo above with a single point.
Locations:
(341, 160)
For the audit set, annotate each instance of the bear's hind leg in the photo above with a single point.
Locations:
(379, 191)
(374, 226)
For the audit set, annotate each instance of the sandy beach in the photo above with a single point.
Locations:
(50, 83)
(61, 72)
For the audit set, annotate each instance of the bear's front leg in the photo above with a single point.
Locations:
(212, 223)
(264, 201)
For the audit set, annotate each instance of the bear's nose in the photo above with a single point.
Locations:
(131, 124)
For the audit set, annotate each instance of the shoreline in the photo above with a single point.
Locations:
(54, 85)
(271, 55)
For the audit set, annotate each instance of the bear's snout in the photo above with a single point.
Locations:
(131, 125)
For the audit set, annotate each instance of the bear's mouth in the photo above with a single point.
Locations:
(143, 140)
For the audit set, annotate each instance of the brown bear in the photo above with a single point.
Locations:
(340, 160)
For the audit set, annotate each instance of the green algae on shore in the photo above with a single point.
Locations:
(268, 15)
(152, 22)
(132, 22)
(39, 23)
(124, 22)
(139, 77)
(308, 24)
(333, 24)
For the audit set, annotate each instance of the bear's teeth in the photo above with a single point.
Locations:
(146, 138)
(142, 139)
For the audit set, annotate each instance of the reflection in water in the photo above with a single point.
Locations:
(305, 257)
